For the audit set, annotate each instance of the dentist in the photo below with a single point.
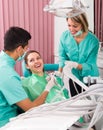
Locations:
(79, 48)
(13, 98)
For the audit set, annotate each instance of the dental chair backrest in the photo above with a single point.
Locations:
(47, 67)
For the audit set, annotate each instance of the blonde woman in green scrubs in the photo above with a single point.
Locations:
(79, 47)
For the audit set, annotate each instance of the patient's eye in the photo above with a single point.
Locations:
(32, 60)
(35, 59)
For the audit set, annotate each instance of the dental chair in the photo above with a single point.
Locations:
(61, 115)
(54, 67)
(64, 114)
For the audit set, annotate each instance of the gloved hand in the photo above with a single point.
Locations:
(48, 78)
(58, 73)
(50, 83)
(71, 64)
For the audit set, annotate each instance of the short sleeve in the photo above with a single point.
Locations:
(13, 91)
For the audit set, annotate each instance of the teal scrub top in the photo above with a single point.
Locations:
(84, 53)
(34, 85)
(11, 90)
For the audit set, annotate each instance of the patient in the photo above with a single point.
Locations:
(35, 84)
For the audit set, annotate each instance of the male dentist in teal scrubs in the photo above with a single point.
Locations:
(12, 94)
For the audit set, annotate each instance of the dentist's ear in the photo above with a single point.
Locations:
(18, 49)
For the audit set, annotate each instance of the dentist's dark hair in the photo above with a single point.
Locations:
(15, 37)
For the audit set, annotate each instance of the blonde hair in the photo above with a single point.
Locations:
(81, 18)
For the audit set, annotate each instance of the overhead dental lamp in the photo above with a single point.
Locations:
(61, 8)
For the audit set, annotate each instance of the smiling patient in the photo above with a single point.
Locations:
(35, 84)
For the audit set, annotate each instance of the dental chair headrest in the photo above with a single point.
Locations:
(47, 67)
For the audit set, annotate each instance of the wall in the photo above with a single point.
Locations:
(60, 24)
(29, 15)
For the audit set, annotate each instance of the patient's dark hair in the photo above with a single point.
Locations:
(15, 37)
(29, 52)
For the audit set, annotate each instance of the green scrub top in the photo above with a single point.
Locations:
(11, 90)
(84, 53)
(34, 85)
